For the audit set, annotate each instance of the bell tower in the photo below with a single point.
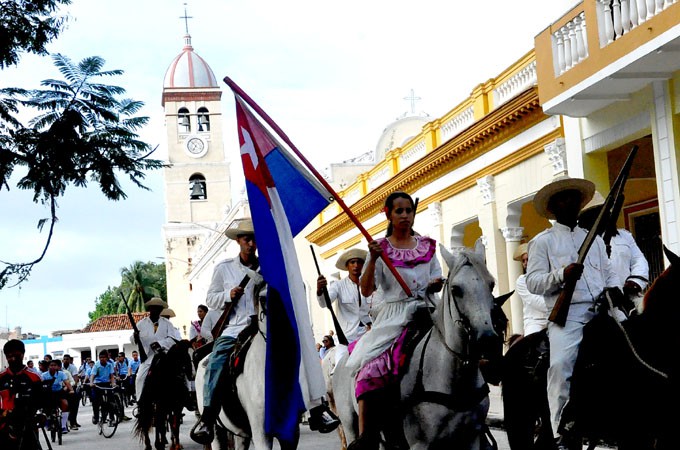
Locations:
(197, 179)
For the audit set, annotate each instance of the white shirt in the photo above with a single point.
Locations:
(352, 317)
(208, 324)
(164, 335)
(534, 309)
(228, 274)
(554, 249)
(627, 260)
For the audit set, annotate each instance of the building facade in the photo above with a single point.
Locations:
(197, 179)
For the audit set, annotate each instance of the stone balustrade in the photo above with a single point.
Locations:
(618, 17)
(517, 83)
(412, 154)
(570, 44)
(457, 123)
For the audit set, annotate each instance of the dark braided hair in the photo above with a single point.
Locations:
(389, 206)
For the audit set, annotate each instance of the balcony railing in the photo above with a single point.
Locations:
(570, 44)
(618, 17)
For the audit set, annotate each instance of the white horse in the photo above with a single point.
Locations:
(250, 387)
(444, 397)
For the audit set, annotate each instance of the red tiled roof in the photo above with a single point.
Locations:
(114, 322)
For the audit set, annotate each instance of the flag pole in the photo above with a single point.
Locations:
(234, 87)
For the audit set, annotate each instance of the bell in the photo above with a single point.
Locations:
(184, 121)
(203, 123)
(197, 191)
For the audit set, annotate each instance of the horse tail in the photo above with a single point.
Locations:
(145, 415)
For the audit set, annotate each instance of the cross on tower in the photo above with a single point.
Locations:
(186, 19)
(412, 98)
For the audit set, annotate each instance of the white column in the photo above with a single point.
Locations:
(659, 6)
(608, 22)
(580, 44)
(651, 4)
(559, 44)
(513, 236)
(616, 15)
(491, 235)
(568, 63)
(634, 15)
(666, 164)
(642, 10)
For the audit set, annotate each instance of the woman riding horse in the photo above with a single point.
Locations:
(377, 354)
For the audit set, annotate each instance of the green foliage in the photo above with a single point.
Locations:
(106, 303)
(83, 131)
(28, 26)
(139, 283)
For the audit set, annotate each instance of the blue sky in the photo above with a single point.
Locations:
(333, 75)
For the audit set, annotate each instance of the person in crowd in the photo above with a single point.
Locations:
(318, 346)
(47, 358)
(533, 306)
(73, 400)
(197, 340)
(552, 263)
(43, 366)
(375, 356)
(625, 256)
(231, 289)
(134, 367)
(157, 335)
(351, 307)
(101, 375)
(327, 344)
(59, 390)
(20, 398)
(30, 366)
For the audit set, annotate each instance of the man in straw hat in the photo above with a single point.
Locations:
(625, 256)
(552, 262)
(156, 334)
(228, 287)
(351, 307)
(533, 306)
(228, 291)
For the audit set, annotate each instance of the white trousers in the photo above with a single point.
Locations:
(142, 372)
(564, 344)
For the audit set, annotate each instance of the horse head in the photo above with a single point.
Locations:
(664, 288)
(469, 317)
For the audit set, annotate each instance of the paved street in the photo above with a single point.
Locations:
(86, 438)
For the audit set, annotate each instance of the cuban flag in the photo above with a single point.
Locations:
(284, 197)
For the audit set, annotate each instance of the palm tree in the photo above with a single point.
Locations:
(84, 132)
(139, 286)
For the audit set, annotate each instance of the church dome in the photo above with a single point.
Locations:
(188, 70)
(398, 133)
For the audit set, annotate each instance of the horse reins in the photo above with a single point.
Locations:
(630, 343)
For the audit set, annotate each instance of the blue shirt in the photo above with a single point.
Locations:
(122, 367)
(134, 365)
(59, 377)
(102, 374)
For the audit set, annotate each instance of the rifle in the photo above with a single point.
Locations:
(140, 347)
(222, 321)
(338, 329)
(559, 313)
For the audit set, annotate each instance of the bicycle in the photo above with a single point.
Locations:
(84, 392)
(53, 423)
(111, 406)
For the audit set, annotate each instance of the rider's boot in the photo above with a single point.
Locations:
(369, 428)
(322, 418)
(202, 432)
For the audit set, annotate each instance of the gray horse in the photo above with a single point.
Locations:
(444, 397)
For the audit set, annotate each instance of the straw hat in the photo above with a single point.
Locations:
(156, 301)
(596, 201)
(564, 183)
(168, 313)
(354, 253)
(244, 227)
(522, 249)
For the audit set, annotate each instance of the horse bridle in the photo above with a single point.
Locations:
(462, 322)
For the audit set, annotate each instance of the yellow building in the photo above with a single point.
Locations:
(601, 78)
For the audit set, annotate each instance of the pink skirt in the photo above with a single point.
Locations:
(383, 370)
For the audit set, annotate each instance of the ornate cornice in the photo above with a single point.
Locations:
(497, 127)
(534, 148)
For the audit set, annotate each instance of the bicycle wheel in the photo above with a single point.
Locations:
(111, 413)
(58, 425)
(83, 396)
(53, 430)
